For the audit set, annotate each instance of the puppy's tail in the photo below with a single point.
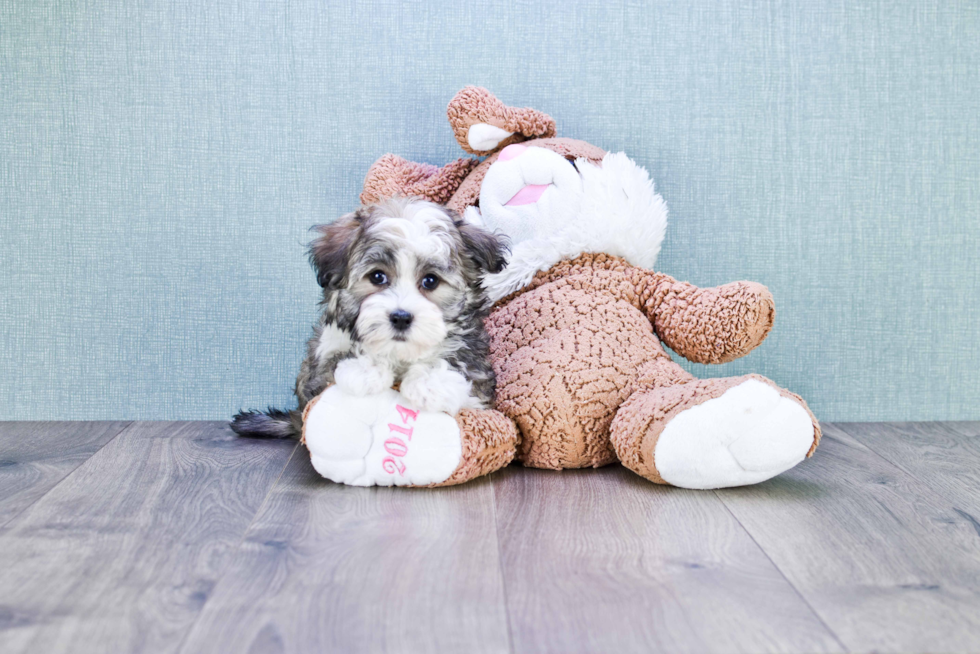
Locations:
(271, 423)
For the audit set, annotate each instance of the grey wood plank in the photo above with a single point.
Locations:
(34, 456)
(605, 561)
(939, 455)
(123, 553)
(963, 427)
(888, 564)
(330, 568)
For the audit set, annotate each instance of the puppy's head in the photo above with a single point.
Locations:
(403, 275)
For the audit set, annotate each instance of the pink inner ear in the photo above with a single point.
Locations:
(528, 195)
(511, 151)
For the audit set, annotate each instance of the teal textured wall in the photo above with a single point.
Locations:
(160, 163)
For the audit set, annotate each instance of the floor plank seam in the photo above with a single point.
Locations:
(882, 456)
(938, 492)
(782, 574)
(500, 562)
(234, 550)
(126, 427)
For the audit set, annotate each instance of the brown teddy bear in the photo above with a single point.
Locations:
(579, 319)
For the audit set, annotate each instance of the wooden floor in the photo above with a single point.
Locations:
(179, 537)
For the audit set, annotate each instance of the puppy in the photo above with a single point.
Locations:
(402, 302)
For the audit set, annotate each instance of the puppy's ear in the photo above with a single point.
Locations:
(328, 251)
(486, 249)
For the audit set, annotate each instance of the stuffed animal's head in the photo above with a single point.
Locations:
(554, 198)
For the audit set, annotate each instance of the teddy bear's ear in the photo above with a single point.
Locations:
(483, 124)
(392, 176)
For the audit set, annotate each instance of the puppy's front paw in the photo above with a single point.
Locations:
(362, 377)
(437, 388)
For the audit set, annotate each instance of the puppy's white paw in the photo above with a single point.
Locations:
(380, 440)
(437, 388)
(362, 377)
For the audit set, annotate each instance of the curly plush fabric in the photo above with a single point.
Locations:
(392, 175)
(711, 325)
(474, 105)
(490, 441)
(574, 344)
(705, 325)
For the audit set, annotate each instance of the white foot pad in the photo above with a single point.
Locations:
(747, 435)
(380, 440)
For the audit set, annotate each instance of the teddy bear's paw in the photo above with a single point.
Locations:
(380, 440)
(361, 377)
(746, 435)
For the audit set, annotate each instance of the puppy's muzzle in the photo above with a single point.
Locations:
(401, 320)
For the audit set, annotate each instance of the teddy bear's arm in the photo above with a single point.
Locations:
(709, 325)
(392, 175)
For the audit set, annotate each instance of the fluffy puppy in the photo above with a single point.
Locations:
(402, 302)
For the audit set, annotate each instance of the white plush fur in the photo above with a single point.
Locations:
(747, 435)
(483, 137)
(472, 216)
(532, 166)
(613, 209)
(349, 438)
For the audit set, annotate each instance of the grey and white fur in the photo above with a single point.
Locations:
(402, 302)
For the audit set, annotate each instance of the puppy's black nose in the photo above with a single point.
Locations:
(400, 320)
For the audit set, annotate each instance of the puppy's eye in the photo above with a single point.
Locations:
(429, 282)
(378, 278)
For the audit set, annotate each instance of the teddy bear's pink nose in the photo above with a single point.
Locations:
(512, 151)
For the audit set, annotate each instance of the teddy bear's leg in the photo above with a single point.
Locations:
(714, 433)
(382, 440)
(489, 441)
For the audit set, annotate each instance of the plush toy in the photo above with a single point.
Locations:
(384, 441)
(578, 323)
